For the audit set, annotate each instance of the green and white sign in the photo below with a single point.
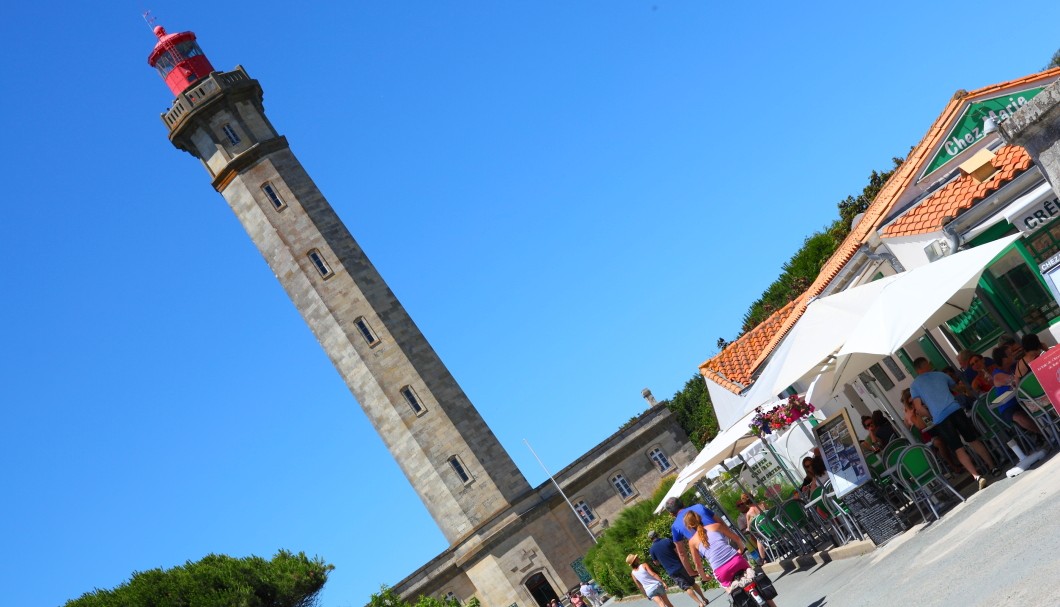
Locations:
(969, 127)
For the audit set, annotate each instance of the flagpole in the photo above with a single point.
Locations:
(560, 489)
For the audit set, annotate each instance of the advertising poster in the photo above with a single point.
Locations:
(1047, 369)
(842, 453)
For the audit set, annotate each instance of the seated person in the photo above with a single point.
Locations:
(1011, 411)
(753, 508)
(913, 421)
(957, 377)
(1006, 355)
(916, 424)
(880, 431)
(964, 360)
(1032, 349)
(984, 379)
(748, 511)
(816, 473)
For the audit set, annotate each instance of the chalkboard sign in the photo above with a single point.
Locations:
(873, 513)
(842, 453)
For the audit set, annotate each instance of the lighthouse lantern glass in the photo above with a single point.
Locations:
(184, 50)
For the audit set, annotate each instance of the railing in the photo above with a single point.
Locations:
(213, 85)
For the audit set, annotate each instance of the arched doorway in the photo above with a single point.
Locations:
(540, 589)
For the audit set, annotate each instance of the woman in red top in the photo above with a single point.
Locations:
(983, 381)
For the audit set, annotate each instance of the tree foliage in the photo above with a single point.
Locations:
(801, 270)
(851, 206)
(288, 580)
(795, 277)
(628, 534)
(694, 411)
(386, 597)
(1054, 62)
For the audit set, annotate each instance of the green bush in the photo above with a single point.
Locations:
(288, 580)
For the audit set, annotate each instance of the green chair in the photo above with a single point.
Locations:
(848, 526)
(995, 436)
(804, 528)
(876, 465)
(1034, 401)
(778, 542)
(890, 456)
(835, 516)
(920, 473)
(896, 444)
(768, 540)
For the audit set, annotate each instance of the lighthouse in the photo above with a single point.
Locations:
(450, 456)
(509, 544)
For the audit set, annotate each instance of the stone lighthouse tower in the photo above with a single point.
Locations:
(451, 457)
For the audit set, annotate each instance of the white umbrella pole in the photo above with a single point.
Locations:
(776, 458)
(743, 489)
(736, 478)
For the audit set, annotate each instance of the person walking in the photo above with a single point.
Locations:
(713, 541)
(648, 581)
(679, 532)
(664, 553)
(589, 592)
(932, 395)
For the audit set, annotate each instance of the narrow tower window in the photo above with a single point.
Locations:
(273, 196)
(459, 469)
(413, 400)
(366, 331)
(625, 490)
(656, 455)
(321, 265)
(231, 134)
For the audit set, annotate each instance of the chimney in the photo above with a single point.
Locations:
(646, 393)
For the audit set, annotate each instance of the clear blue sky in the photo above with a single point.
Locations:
(574, 200)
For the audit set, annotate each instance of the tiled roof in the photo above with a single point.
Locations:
(732, 366)
(728, 366)
(960, 194)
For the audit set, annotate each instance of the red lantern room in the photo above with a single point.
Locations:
(179, 59)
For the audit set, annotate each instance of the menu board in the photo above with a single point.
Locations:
(1047, 369)
(842, 453)
(875, 515)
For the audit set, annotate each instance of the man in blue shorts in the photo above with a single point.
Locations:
(682, 534)
(664, 552)
(932, 393)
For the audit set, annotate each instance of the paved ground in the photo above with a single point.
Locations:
(1001, 547)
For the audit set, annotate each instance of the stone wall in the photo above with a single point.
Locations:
(1036, 128)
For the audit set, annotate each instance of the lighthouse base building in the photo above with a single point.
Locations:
(509, 543)
(536, 547)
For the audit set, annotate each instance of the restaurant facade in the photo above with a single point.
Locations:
(961, 186)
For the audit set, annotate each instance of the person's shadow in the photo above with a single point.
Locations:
(818, 603)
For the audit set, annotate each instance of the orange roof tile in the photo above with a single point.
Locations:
(732, 364)
(960, 194)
